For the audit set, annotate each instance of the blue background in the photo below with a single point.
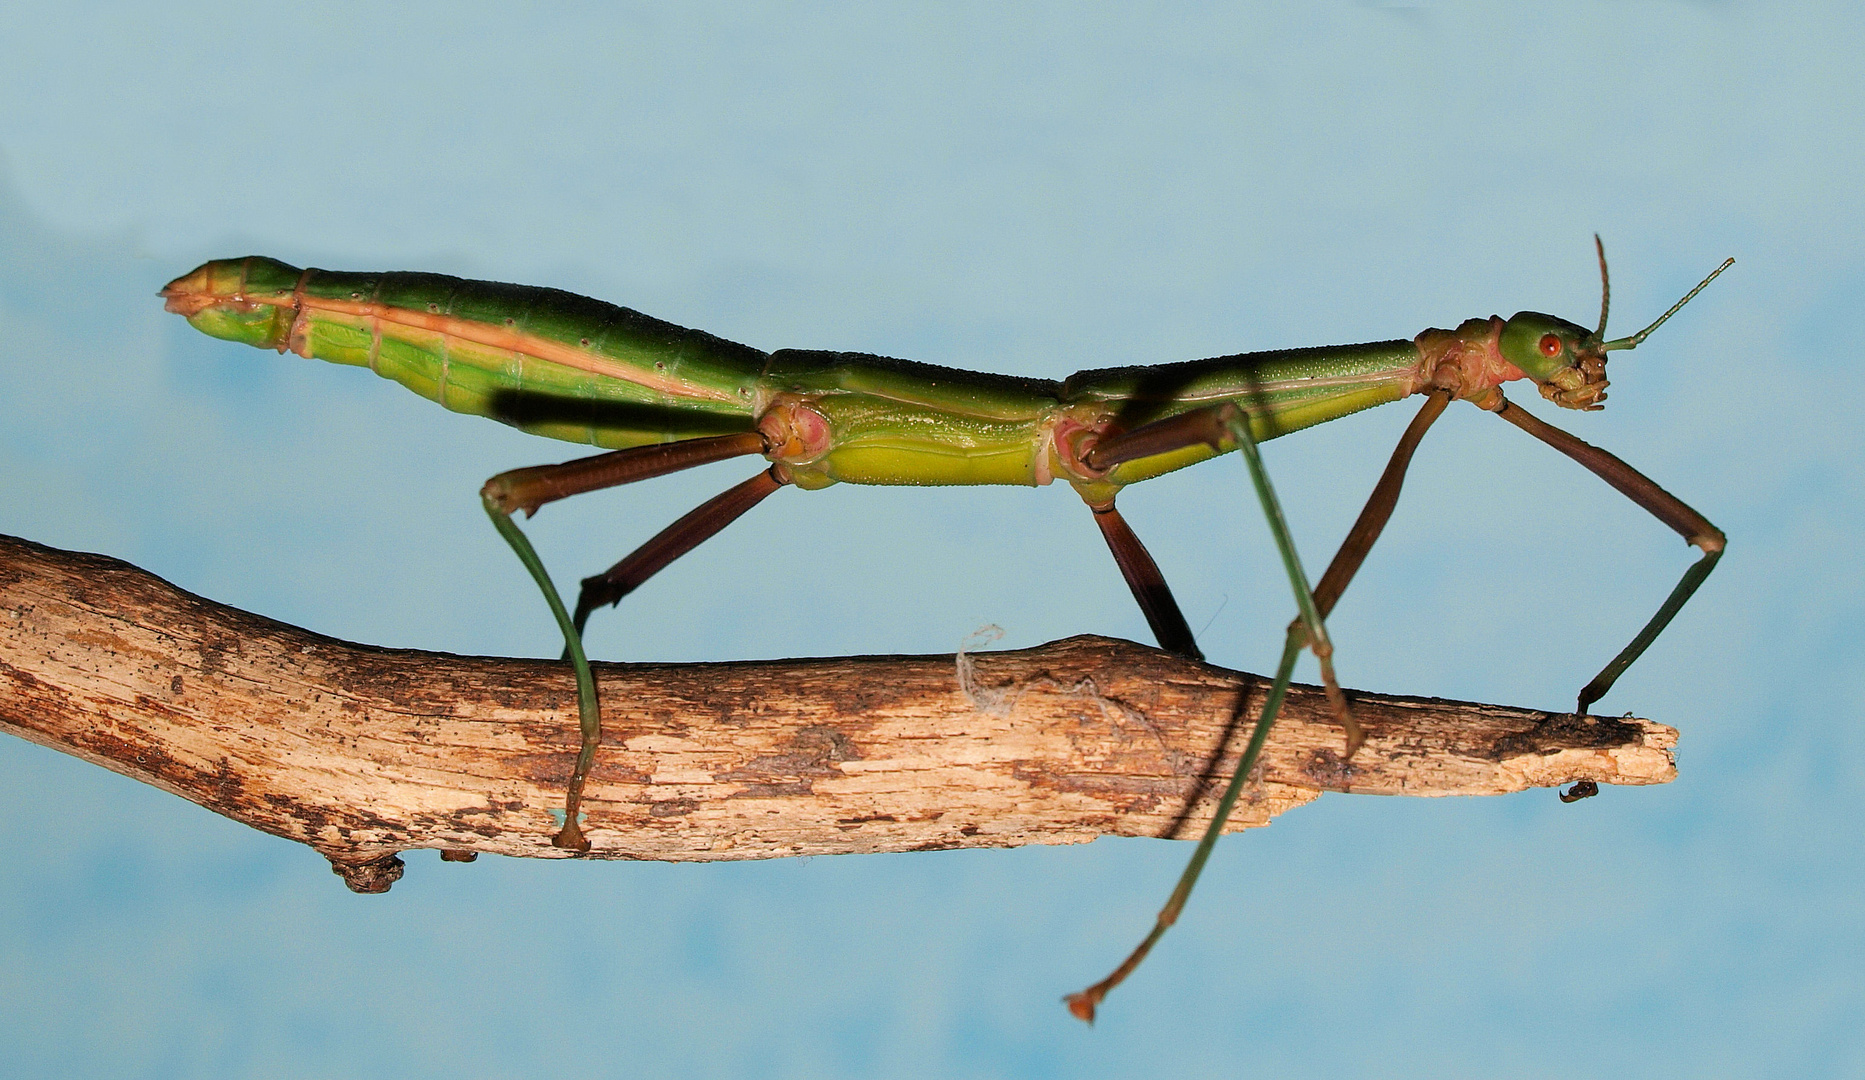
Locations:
(1029, 189)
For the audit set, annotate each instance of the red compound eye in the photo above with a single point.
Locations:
(1550, 345)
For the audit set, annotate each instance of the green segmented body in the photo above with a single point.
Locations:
(547, 361)
(666, 398)
(584, 371)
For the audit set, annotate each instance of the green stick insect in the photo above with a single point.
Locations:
(661, 398)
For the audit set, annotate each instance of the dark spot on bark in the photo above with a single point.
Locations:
(483, 821)
(1144, 804)
(731, 707)
(672, 807)
(457, 855)
(865, 819)
(174, 685)
(936, 845)
(813, 753)
(227, 783)
(147, 757)
(969, 830)
(773, 791)
(1328, 770)
(213, 650)
(1565, 731)
(552, 770)
(28, 682)
(1111, 784)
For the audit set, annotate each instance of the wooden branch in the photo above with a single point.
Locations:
(361, 752)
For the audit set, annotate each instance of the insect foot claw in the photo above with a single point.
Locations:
(571, 838)
(1583, 789)
(1081, 1005)
(1356, 737)
(371, 875)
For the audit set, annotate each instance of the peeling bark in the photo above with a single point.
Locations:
(362, 752)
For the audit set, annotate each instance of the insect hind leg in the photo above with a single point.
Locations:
(693, 529)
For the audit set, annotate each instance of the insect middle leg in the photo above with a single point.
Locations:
(1212, 426)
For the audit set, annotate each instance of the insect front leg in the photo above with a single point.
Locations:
(1661, 504)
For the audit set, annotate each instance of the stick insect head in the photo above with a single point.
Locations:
(1568, 362)
(1565, 360)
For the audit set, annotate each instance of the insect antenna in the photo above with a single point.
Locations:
(1632, 342)
(1605, 287)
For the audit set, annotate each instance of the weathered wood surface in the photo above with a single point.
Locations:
(361, 752)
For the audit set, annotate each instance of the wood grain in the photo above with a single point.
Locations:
(362, 752)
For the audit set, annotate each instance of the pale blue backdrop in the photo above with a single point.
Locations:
(1025, 188)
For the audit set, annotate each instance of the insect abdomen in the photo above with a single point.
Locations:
(550, 362)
